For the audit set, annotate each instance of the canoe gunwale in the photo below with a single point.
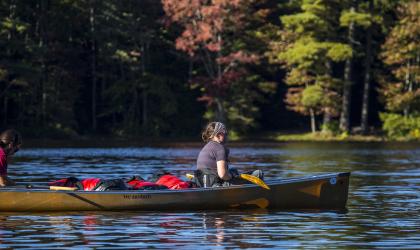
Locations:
(244, 186)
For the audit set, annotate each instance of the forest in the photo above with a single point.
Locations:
(164, 68)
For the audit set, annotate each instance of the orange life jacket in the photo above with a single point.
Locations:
(173, 182)
(90, 184)
(141, 184)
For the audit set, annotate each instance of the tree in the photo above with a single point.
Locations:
(358, 17)
(401, 53)
(136, 93)
(401, 90)
(364, 121)
(349, 21)
(308, 46)
(208, 36)
(14, 69)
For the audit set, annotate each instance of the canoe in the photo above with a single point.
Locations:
(325, 191)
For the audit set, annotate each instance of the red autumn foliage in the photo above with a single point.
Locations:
(239, 56)
(205, 24)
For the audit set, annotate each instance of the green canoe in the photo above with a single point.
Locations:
(325, 191)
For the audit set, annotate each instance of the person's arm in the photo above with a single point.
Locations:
(3, 180)
(222, 170)
(3, 169)
(6, 181)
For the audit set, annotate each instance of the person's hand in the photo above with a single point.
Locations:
(234, 173)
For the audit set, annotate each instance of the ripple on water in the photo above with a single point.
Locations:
(383, 204)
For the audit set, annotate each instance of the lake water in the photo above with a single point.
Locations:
(382, 212)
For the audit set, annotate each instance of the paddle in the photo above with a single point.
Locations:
(248, 177)
(57, 188)
(43, 185)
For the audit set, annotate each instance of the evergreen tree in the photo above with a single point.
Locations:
(401, 90)
(14, 66)
(308, 46)
(401, 52)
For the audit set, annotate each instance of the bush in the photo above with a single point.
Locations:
(331, 127)
(398, 126)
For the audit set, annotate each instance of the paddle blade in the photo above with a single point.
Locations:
(189, 176)
(255, 180)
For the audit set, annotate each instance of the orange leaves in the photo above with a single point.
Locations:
(214, 46)
(239, 56)
(226, 3)
(294, 100)
(203, 21)
(205, 31)
(205, 24)
(178, 10)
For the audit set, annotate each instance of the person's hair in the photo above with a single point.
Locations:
(209, 131)
(10, 136)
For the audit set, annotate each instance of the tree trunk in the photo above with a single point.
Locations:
(5, 111)
(93, 62)
(326, 121)
(313, 121)
(145, 117)
(408, 85)
(366, 84)
(44, 76)
(42, 35)
(131, 117)
(346, 104)
(327, 115)
(144, 113)
(12, 9)
(220, 111)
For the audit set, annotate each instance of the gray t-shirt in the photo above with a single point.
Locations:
(211, 153)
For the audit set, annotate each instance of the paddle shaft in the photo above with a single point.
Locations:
(56, 188)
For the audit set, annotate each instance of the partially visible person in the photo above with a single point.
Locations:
(10, 142)
(213, 159)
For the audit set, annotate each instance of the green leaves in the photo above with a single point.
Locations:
(338, 52)
(398, 126)
(304, 53)
(361, 19)
(312, 96)
(304, 22)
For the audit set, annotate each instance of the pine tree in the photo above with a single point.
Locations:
(308, 46)
(401, 52)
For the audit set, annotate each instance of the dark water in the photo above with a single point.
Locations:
(383, 207)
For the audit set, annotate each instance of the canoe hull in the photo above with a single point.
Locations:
(327, 191)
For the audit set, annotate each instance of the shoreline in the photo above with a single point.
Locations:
(272, 139)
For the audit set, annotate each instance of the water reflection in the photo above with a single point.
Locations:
(383, 204)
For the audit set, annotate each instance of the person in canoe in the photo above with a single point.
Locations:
(10, 141)
(212, 162)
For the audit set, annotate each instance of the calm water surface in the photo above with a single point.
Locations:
(383, 207)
